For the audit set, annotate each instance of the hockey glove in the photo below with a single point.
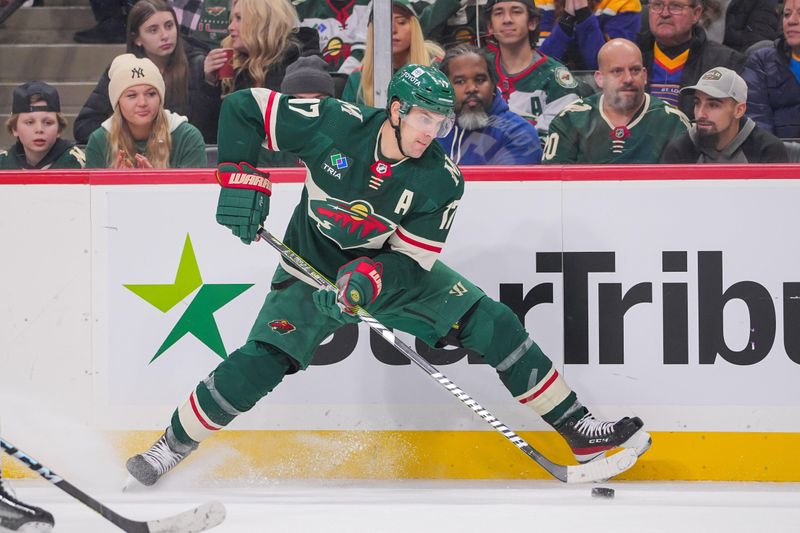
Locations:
(358, 283)
(327, 302)
(243, 203)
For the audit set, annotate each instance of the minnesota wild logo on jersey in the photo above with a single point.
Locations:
(582, 133)
(350, 224)
(539, 92)
(354, 199)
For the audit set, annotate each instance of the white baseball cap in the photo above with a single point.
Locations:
(721, 82)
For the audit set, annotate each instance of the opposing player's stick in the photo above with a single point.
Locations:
(598, 470)
(195, 520)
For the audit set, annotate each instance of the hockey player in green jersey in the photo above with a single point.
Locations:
(379, 200)
(535, 86)
(623, 124)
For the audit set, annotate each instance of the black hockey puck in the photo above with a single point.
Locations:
(602, 492)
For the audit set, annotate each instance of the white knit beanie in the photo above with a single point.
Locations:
(128, 70)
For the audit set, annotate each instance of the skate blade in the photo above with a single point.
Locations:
(32, 527)
(639, 441)
(130, 484)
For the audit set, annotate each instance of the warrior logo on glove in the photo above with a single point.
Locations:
(359, 282)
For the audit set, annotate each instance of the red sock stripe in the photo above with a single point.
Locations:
(202, 420)
(540, 391)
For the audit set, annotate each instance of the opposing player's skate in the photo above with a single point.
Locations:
(590, 438)
(163, 456)
(21, 517)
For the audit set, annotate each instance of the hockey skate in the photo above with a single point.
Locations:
(163, 456)
(20, 517)
(590, 438)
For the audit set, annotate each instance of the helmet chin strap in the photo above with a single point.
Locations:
(397, 135)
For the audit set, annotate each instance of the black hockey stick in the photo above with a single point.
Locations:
(598, 470)
(195, 520)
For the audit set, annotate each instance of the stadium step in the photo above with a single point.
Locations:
(45, 25)
(53, 62)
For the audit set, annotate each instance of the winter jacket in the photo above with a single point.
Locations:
(98, 107)
(507, 140)
(703, 56)
(575, 41)
(207, 116)
(751, 145)
(750, 21)
(773, 95)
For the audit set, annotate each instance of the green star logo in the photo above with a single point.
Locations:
(198, 319)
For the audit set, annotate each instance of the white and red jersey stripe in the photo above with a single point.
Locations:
(195, 421)
(548, 392)
(423, 251)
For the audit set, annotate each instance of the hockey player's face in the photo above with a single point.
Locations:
(716, 117)
(158, 35)
(791, 23)
(37, 132)
(510, 23)
(418, 129)
(139, 105)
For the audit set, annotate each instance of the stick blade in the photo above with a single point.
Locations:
(602, 469)
(200, 518)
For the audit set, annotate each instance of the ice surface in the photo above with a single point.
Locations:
(446, 506)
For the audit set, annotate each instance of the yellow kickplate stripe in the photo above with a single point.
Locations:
(463, 455)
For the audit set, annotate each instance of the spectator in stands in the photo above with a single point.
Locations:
(773, 77)
(623, 124)
(264, 42)
(110, 27)
(486, 131)
(574, 30)
(408, 46)
(722, 134)
(152, 33)
(36, 121)
(141, 133)
(748, 22)
(342, 29)
(535, 86)
(308, 77)
(677, 51)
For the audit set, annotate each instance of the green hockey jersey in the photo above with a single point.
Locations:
(355, 202)
(342, 29)
(64, 154)
(582, 133)
(539, 92)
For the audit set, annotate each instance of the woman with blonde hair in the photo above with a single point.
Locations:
(141, 133)
(408, 46)
(264, 38)
(152, 33)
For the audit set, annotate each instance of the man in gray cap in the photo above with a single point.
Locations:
(308, 77)
(722, 133)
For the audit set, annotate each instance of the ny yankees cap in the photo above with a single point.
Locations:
(721, 82)
(127, 70)
(48, 99)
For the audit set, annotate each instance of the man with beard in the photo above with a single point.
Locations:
(722, 134)
(486, 131)
(622, 124)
